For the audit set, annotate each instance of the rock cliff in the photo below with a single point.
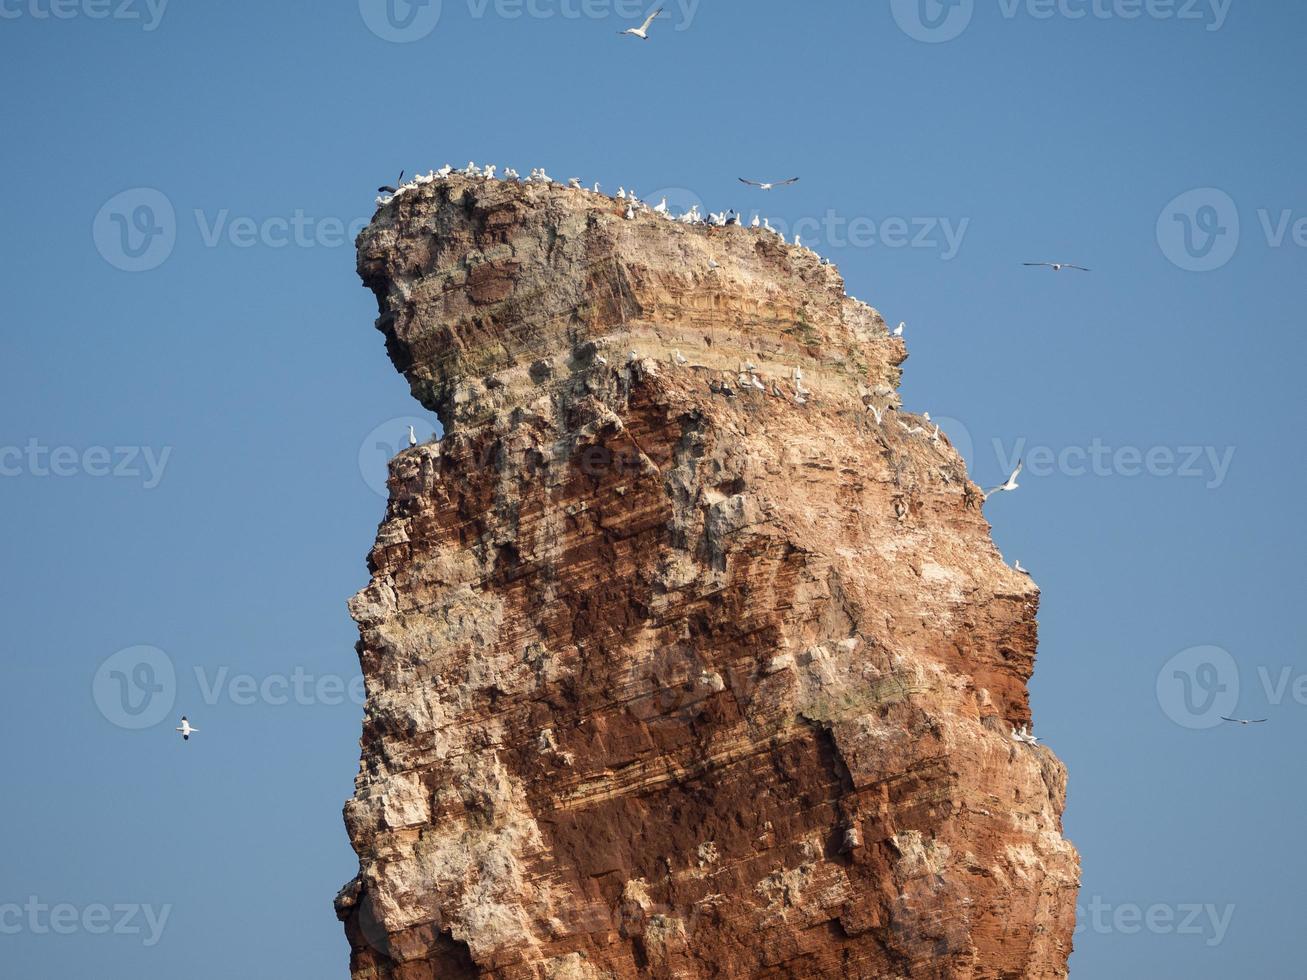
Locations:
(672, 672)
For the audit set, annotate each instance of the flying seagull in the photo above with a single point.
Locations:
(412, 437)
(1011, 483)
(1057, 266)
(1245, 721)
(642, 32)
(186, 729)
(761, 185)
(387, 189)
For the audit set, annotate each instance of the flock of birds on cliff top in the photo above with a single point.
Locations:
(634, 206)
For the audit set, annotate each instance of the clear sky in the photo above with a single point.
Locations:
(194, 398)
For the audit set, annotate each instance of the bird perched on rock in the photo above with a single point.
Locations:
(387, 189)
(412, 437)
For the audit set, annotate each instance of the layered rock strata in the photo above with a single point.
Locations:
(672, 672)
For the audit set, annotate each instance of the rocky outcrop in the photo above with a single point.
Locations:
(668, 674)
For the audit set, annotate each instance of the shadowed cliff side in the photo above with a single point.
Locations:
(680, 664)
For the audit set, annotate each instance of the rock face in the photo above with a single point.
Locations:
(669, 675)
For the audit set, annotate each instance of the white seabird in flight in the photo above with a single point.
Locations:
(1011, 483)
(766, 186)
(1245, 721)
(1057, 266)
(642, 32)
(186, 729)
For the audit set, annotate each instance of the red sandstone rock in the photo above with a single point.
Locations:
(664, 682)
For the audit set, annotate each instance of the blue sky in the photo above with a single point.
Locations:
(196, 405)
